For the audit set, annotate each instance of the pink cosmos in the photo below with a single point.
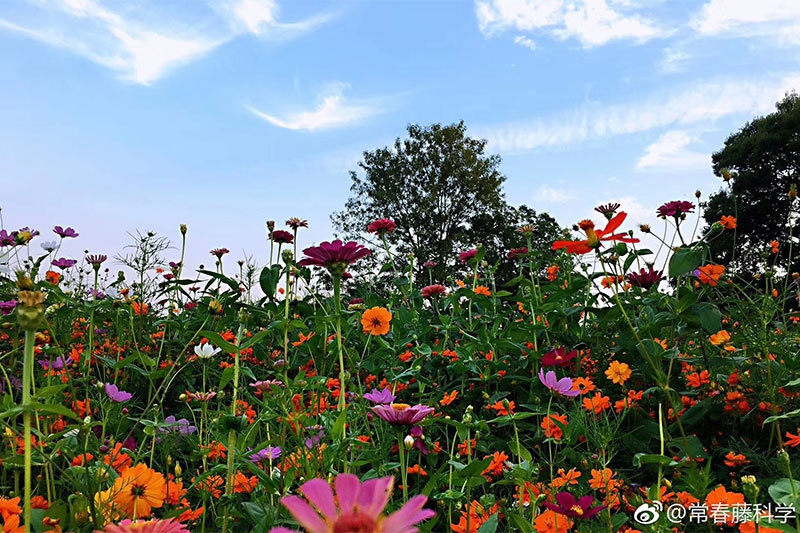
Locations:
(402, 414)
(169, 525)
(357, 506)
(117, 395)
(382, 396)
(560, 386)
(65, 233)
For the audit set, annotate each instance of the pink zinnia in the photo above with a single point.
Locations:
(335, 256)
(382, 226)
(402, 414)
(433, 290)
(356, 507)
(146, 526)
(464, 257)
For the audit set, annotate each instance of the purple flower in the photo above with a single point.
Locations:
(99, 294)
(676, 209)
(8, 239)
(419, 442)
(402, 414)
(558, 357)
(117, 395)
(6, 308)
(176, 426)
(96, 260)
(430, 264)
(568, 506)
(464, 257)
(313, 440)
(382, 396)
(560, 386)
(270, 452)
(65, 233)
(59, 364)
(63, 263)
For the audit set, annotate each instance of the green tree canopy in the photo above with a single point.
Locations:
(445, 195)
(760, 162)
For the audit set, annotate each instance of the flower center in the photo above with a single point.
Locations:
(137, 490)
(355, 522)
(577, 509)
(400, 406)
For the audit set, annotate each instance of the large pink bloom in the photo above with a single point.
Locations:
(357, 507)
(402, 414)
(335, 256)
(146, 526)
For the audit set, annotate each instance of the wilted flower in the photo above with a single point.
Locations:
(433, 290)
(464, 257)
(63, 263)
(645, 278)
(607, 210)
(96, 260)
(676, 209)
(382, 226)
(382, 396)
(281, 236)
(117, 395)
(335, 256)
(355, 507)
(65, 233)
(25, 235)
(561, 386)
(206, 351)
(402, 414)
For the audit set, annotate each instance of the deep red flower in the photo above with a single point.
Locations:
(594, 237)
(576, 508)
(382, 226)
(335, 256)
(558, 357)
(675, 208)
(282, 236)
(515, 253)
(219, 252)
(645, 278)
(464, 257)
(296, 223)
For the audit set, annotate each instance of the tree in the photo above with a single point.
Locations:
(442, 191)
(760, 164)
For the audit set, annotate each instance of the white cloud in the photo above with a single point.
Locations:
(591, 22)
(260, 17)
(551, 195)
(699, 103)
(718, 16)
(524, 41)
(669, 152)
(673, 60)
(333, 111)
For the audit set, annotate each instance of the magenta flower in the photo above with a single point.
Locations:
(296, 223)
(430, 291)
(168, 525)
(430, 264)
(561, 386)
(569, 506)
(267, 385)
(464, 257)
(96, 260)
(335, 256)
(219, 252)
(281, 236)
(6, 308)
(58, 364)
(675, 209)
(117, 395)
(516, 253)
(558, 357)
(402, 414)
(268, 453)
(65, 233)
(7, 239)
(63, 263)
(356, 507)
(382, 396)
(382, 226)
(645, 278)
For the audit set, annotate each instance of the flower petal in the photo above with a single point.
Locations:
(347, 489)
(320, 495)
(403, 520)
(374, 495)
(304, 514)
(614, 223)
(566, 500)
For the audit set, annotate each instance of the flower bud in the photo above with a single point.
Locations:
(183, 229)
(271, 225)
(750, 488)
(288, 257)
(408, 442)
(697, 194)
(784, 462)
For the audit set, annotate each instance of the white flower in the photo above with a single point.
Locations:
(206, 351)
(49, 246)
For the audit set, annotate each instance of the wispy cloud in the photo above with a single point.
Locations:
(524, 41)
(591, 22)
(670, 152)
(144, 52)
(719, 16)
(693, 104)
(551, 195)
(334, 110)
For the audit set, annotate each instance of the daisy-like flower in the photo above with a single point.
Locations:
(281, 236)
(376, 321)
(402, 414)
(96, 260)
(334, 256)
(206, 351)
(117, 395)
(580, 508)
(382, 396)
(516, 253)
(607, 210)
(558, 357)
(67, 233)
(675, 209)
(63, 263)
(594, 237)
(709, 274)
(618, 372)
(430, 264)
(219, 252)
(464, 257)
(433, 290)
(297, 223)
(382, 226)
(203, 396)
(267, 385)
(645, 278)
(49, 246)
(169, 525)
(268, 453)
(561, 386)
(356, 507)
(138, 490)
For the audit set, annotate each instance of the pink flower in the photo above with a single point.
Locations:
(356, 507)
(281, 236)
(464, 257)
(335, 256)
(559, 386)
(433, 290)
(402, 414)
(382, 226)
(146, 526)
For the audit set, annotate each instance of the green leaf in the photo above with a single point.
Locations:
(338, 426)
(683, 261)
(650, 459)
(268, 280)
(786, 491)
(217, 340)
(490, 526)
(709, 315)
(48, 392)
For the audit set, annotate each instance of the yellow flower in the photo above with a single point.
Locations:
(618, 372)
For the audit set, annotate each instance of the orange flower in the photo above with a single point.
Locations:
(376, 321)
(12, 525)
(212, 485)
(139, 308)
(9, 507)
(416, 469)
(118, 460)
(584, 385)
(552, 522)
(467, 447)
(500, 408)
(138, 490)
(793, 440)
(594, 237)
(720, 337)
(474, 517)
(697, 380)
(604, 480)
(618, 372)
(598, 403)
(723, 499)
(52, 277)
(728, 222)
(303, 338)
(552, 272)
(775, 246)
(551, 428)
(565, 478)
(448, 398)
(244, 484)
(710, 274)
(497, 465)
(735, 459)
(483, 290)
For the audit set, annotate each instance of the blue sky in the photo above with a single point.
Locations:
(120, 115)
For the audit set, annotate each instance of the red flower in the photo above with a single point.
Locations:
(594, 237)
(382, 226)
(335, 256)
(281, 236)
(433, 290)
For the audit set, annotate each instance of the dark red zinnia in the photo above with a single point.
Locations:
(382, 226)
(433, 290)
(464, 257)
(515, 253)
(645, 278)
(282, 236)
(675, 209)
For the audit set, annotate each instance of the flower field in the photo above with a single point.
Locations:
(600, 392)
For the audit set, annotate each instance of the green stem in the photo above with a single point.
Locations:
(403, 467)
(337, 304)
(27, 368)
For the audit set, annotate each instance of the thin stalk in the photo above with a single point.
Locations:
(27, 365)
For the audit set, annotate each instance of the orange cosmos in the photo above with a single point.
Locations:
(376, 321)
(138, 490)
(595, 237)
(618, 372)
